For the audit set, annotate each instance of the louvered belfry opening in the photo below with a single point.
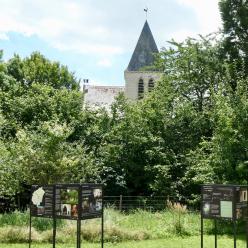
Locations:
(141, 89)
(150, 85)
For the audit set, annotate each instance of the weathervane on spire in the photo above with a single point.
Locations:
(146, 10)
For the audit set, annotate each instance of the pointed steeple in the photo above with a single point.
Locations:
(144, 50)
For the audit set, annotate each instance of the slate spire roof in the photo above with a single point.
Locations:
(144, 50)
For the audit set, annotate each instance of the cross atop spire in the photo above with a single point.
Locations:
(146, 10)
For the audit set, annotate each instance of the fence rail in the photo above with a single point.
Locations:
(151, 203)
(120, 202)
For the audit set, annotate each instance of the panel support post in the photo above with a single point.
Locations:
(234, 217)
(246, 218)
(54, 216)
(79, 216)
(234, 234)
(201, 218)
(102, 237)
(30, 226)
(215, 233)
(201, 232)
(247, 228)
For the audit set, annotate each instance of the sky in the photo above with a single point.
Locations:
(96, 38)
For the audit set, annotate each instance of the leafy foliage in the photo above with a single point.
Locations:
(191, 129)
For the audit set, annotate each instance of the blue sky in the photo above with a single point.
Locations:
(96, 38)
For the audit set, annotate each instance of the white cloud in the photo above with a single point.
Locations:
(64, 24)
(207, 12)
(104, 62)
(4, 36)
(104, 28)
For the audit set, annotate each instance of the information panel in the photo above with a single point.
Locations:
(42, 201)
(241, 202)
(91, 201)
(224, 201)
(67, 200)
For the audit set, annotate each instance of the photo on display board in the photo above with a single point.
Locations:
(243, 195)
(97, 193)
(206, 208)
(98, 205)
(86, 204)
(74, 210)
(38, 201)
(226, 209)
(69, 201)
(66, 209)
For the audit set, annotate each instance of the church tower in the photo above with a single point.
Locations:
(139, 80)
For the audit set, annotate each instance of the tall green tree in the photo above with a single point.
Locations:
(38, 69)
(235, 24)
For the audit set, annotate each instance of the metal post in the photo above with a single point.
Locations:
(79, 216)
(247, 219)
(201, 221)
(234, 217)
(102, 237)
(54, 217)
(30, 226)
(234, 234)
(215, 233)
(247, 228)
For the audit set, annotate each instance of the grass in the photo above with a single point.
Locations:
(119, 227)
(176, 242)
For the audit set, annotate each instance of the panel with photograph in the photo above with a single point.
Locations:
(67, 202)
(42, 201)
(241, 202)
(217, 201)
(91, 201)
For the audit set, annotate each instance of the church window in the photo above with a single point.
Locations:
(150, 85)
(141, 89)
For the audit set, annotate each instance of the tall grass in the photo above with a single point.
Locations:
(137, 225)
(21, 219)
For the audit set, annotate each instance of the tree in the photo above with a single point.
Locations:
(195, 67)
(38, 69)
(45, 156)
(40, 103)
(235, 24)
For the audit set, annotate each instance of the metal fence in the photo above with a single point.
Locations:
(120, 202)
(125, 203)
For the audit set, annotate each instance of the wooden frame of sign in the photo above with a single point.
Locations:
(67, 201)
(228, 202)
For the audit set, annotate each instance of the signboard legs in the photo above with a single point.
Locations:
(54, 217)
(30, 227)
(201, 232)
(215, 233)
(102, 234)
(247, 229)
(79, 219)
(234, 234)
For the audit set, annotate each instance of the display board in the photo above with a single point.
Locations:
(91, 202)
(66, 199)
(224, 201)
(242, 202)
